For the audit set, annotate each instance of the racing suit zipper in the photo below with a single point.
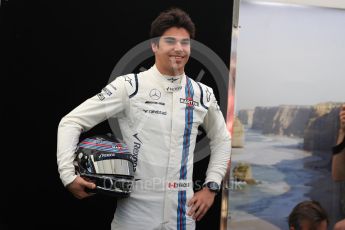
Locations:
(166, 209)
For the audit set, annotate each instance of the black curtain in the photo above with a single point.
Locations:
(56, 54)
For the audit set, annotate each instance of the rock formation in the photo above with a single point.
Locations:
(243, 172)
(237, 139)
(322, 129)
(287, 120)
(317, 124)
(246, 116)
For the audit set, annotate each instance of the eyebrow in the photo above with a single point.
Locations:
(174, 39)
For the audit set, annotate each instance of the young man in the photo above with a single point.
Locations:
(338, 159)
(308, 215)
(159, 111)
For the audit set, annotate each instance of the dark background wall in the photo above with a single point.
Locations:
(56, 54)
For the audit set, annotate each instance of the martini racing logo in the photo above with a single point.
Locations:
(189, 102)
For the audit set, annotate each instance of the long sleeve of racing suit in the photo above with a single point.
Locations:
(220, 142)
(96, 109)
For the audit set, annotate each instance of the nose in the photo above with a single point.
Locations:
(178, 46)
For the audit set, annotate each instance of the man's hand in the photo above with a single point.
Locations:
(77, 187)
(342, 118)
(200, 203)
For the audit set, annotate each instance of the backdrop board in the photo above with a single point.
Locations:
(289, 87)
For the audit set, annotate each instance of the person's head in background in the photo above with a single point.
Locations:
(308, 215)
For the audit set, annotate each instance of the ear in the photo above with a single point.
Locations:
(154, 47)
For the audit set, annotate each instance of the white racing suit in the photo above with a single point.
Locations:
(159, 118)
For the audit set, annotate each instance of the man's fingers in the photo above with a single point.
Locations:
(201, 215)
(191, 201)
(89, 185)
(198, 212)
(193, 208)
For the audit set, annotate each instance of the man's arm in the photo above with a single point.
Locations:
(338, 160)
(104, 105)
(220, 144)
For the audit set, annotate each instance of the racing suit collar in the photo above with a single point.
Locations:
(169, 83)
(172, 79)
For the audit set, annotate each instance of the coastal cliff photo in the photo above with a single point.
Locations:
(289, 88)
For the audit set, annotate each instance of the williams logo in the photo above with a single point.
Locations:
(173, 79)
(189, 102)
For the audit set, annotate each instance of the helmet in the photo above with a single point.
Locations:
(107, 162)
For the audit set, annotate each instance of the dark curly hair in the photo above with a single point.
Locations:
(173, 17)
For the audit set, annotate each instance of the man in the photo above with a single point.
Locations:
(338, 159)
(308, 215)
(159, 111)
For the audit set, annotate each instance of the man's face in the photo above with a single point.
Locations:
(172, 51)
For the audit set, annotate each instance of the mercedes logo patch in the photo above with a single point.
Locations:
(155, 94)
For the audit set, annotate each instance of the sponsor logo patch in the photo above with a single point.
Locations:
(151, 111)
(155, 102)
(155, 94)
(189, 102)
(107, 91)
(129, 80)
(173, 89)
(106, 155)
(114, 88)
(208, 95)
(178, 185)
(118, 146)
(136, 148)
(173, 79)
(101, 96)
